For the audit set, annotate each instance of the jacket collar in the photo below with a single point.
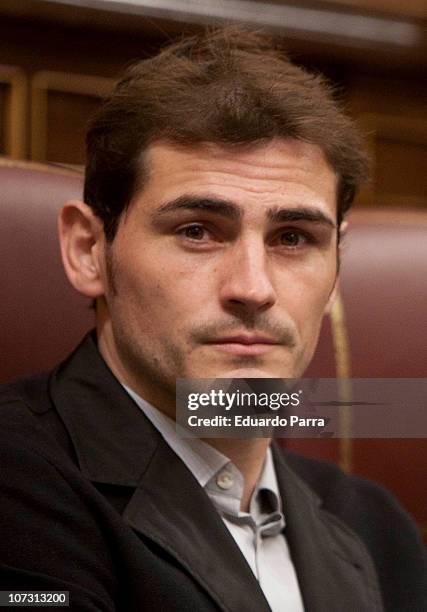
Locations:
(112, 442)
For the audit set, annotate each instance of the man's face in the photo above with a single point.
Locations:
(221, 267)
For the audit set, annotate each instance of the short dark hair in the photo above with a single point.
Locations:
(228, 86)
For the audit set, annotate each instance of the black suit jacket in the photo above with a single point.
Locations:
(93, 501)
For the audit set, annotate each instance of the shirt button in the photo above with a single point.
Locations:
(224, 480)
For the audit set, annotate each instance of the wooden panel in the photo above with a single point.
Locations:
(400, 172)
(399, 151)
(4, 94)
(414, 8)
(13, 109)
(67, 116)
(393, 116)
(61, 104)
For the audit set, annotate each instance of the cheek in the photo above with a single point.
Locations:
(308, 295)
(159, 294)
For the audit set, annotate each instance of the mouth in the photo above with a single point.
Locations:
(244, 345)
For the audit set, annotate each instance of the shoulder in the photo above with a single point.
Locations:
(30, 440)
(27, 410)
(28, 391)
(342, 492)
(21, 402)
(374, 514)
(50, 533)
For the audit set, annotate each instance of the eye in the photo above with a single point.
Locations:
(292, 238)
(194, 232)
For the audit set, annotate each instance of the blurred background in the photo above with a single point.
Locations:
(59, 58)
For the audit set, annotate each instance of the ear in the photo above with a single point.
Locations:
(343, 230)
(335, 289)
(82, 243)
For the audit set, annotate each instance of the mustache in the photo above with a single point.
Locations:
(282, 333)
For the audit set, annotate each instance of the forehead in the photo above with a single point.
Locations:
(280, 172)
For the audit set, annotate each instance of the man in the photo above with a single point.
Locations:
(217, 178)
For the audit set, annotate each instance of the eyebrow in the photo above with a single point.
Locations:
(217, 206)
(229, 210)
(314, 215)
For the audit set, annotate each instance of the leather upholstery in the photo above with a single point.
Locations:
(41, 316)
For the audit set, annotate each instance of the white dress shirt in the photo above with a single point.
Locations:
(259, 532)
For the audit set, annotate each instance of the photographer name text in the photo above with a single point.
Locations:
(239, 420)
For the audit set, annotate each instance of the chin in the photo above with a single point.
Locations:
(246, 368)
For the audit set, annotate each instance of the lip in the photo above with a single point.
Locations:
(244, 345)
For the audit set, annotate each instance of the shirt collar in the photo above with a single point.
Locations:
(202, 460)
(209, 467)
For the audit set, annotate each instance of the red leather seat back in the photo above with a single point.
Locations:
(383, 290)
(384, 287)
(41, 316)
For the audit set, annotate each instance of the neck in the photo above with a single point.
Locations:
(248, 455)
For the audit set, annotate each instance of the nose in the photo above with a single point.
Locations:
(246, 285)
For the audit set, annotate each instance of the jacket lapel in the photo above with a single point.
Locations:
(171, 508)
(334, 569)
(116, 444)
